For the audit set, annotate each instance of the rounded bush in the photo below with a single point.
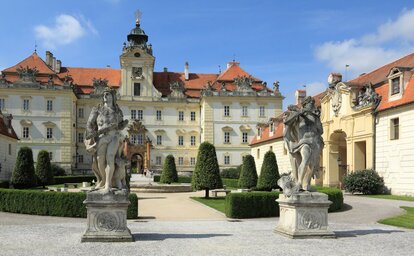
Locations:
(57, 170)
(206, 175)
(248, 174)
(269, 174)
(367, 182)
(169, 171)
(23, 175)
(230, 173)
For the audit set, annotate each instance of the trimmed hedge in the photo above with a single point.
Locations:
(73, 179)
(230, 173)
(169, 171)
(181, 179)
(262, 204)
(232, 183)
(367, 182)
(248, 175)
(52, 203)
(252, 205)
(4, 184)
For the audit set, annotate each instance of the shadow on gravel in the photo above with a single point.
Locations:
(345, 207)
(355, 233)
(161, 237)
(155, 197)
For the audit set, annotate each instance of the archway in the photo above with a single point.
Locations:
(338, 164)
(137, 163)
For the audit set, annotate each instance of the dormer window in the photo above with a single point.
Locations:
(272, 127)
(259, 132)
(395, 85)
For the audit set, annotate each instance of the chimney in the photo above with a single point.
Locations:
(54, 63)
(334, 78)
(299, 96)
(49, 57)
(165, 69)
(58, 66)
(186, 73)
(232, 63)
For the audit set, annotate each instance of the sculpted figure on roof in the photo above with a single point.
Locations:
(303, 140)
(105, 142)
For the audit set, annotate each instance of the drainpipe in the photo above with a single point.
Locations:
(374, 139)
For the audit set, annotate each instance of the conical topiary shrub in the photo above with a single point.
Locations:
(43, 170)
(169, 171)
(248, 174)
(23, 174)
(206, 175)
(269, 174)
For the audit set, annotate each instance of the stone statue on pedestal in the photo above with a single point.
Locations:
(303, 214)
(107, 204)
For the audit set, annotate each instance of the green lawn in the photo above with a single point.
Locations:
(393, 197)
(213, 202)
(406, 220)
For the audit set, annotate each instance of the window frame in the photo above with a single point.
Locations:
(226, 109)
(395, 128)
(227, 138)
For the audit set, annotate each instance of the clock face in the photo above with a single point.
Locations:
(137, 54)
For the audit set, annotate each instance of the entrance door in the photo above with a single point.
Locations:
(137, 163)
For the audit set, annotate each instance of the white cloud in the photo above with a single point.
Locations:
(391, 41)
(67, 29)
(315, 88)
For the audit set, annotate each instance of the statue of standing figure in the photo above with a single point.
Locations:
(303, 140)
(105, 142)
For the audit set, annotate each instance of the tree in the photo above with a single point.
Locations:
(269, 174)
(44, 173)
(248, 174)
(23, 174)
(57, 170)
(169, 171)
(207, 172)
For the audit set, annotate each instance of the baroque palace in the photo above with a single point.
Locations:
(368, 123)
(169, 112)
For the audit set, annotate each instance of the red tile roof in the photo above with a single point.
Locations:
(85, 76)
(32, 61)
(407, 97)
(4, 130)
(380, 74)
(234, 71)
(277, 134)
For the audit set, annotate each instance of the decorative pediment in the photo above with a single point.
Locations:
(27, 74)
(208, 89)
(244, 84)
(159, 131)
(366, 96)
(99, 85)
(49, 124)
(135, 127)
(177, 90)
(227, 129)
(245, 128)
(335, 93)
(26, 122)
(180, 131)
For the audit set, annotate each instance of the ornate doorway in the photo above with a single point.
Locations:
(338, 164)
(138, 146)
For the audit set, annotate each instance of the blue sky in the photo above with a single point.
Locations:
(295, 42)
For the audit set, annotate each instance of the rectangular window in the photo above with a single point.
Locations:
(244, 137)
(180, 115)
(226, 137)
(193, 140)
(395, 87)
(140, 139)
(158, 160)
(244, 111)
(137, 89)
(258, 154)
(180, 160)
(226, 110)
(159, 115)
(193, 115)
(262, 111)
(49, 133)
(272, 127)
(226, 159)
(181, 140)
(192, 160)
(50, 156)
(140, 114)
(395, 129)
(159, 139)
(133, 114)
(80, 159)
(49, 105)
(26, 105)
(134, 139)
(10, 149)
(259, 132)
(25, 132)
(81, 113)
(80, 137)
(2, 104)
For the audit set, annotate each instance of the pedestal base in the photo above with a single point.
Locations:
(107, 217)
(304, 215)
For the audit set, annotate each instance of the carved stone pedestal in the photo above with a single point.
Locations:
(304, 215)
(107, 217)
